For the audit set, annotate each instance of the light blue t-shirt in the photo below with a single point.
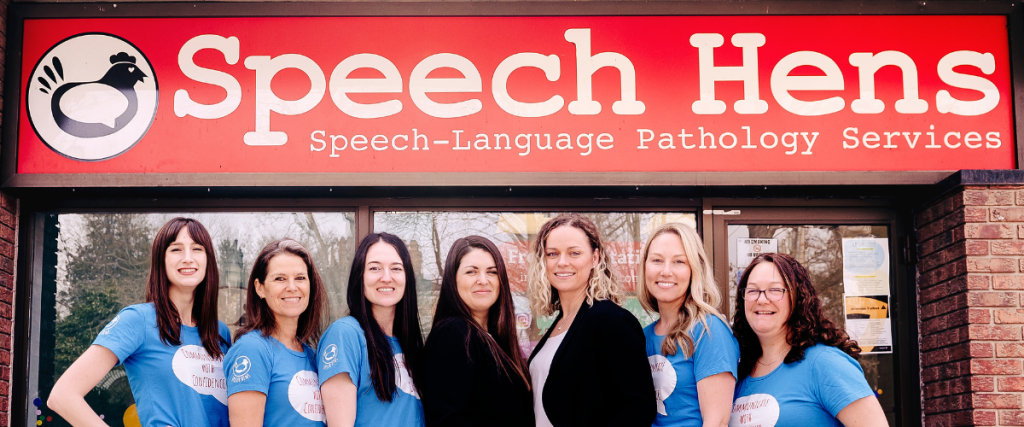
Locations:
(169, 383)
(287, 377)
(343, 350)
(676, 376)
(810, 392)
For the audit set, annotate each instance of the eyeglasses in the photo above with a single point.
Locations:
(773, 294)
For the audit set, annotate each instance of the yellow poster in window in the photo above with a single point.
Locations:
(867, 322)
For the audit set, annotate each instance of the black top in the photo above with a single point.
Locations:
(600, 375)
(463, 385)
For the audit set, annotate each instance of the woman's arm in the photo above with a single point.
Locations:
(448, 377)
(339, 397)
(630, 371)
(864, 412)
(67, 398)
(715, 396)
(246, 408)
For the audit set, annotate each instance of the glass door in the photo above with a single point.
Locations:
(848, 253)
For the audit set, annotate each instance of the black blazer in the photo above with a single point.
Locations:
(600, 375)
(463, 385)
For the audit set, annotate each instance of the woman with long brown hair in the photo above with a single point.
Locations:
(272, 380)
(171, 346)
(370, 360)
(797, 368)
(474, 372)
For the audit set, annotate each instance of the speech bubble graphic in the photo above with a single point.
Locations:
(664, 380)
(402, 377)
(755, 410)
(195, 368)
(304, 395)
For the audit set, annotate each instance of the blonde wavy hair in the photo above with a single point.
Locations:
(603, 283)
(702, 296)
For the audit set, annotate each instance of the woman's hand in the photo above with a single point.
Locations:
(339, 397)
(864, 412)
(246, 408)
(67, 398)
(715, 396)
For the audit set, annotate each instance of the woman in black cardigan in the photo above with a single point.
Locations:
(591, 367)
(475, 373)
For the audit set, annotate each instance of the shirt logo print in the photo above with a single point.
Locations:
(240, 370)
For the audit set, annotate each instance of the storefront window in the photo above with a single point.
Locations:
(848, 265)
(429, 235)
(95, 264)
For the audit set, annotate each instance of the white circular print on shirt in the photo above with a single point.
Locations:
(664, 380)
(755, 410)
(304, 395)
(195, 368)
(402, 377)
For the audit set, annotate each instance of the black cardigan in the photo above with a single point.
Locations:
(600, 375)
(464, 387)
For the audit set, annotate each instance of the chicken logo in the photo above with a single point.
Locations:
(92, 97)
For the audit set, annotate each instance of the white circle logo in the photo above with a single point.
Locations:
(330, 353)
(755, 410)
(304, 395)
(113, 322)
(242, 366)
(92, 96)
(664, 375)
(402, 378)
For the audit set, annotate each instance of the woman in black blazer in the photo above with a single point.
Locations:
(475, 373)
(591, 367)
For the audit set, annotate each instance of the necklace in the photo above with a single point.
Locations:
(566, 319)
(772, 362)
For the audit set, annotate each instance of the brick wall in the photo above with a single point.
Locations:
(971, 279)
(8, 253)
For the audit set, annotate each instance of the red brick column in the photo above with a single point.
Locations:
(971, 280)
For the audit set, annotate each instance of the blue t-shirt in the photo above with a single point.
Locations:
(169, 383)
(810, 392)
(343, 350)
(676, 376)
(287, 377)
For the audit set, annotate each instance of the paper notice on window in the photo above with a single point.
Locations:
(748, 249)
(866, 266)
(868, 323)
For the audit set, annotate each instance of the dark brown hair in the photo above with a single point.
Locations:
(257, 313)
(407, 320)
(501, 341)
(806, 326)
(204, 305)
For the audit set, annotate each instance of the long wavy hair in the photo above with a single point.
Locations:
(407, 322)
(204, 305)
(806, 326)
(702, 295)
(501, 341)
(258, 315)
(603, 284)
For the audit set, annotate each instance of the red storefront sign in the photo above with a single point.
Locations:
(522, 94)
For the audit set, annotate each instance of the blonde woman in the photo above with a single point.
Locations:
(692, 352)
(590, 368)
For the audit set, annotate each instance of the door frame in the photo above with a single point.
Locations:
(718, 214)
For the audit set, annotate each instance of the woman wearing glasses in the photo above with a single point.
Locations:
(796, 367)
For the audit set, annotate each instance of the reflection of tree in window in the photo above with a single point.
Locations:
(106, 268)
